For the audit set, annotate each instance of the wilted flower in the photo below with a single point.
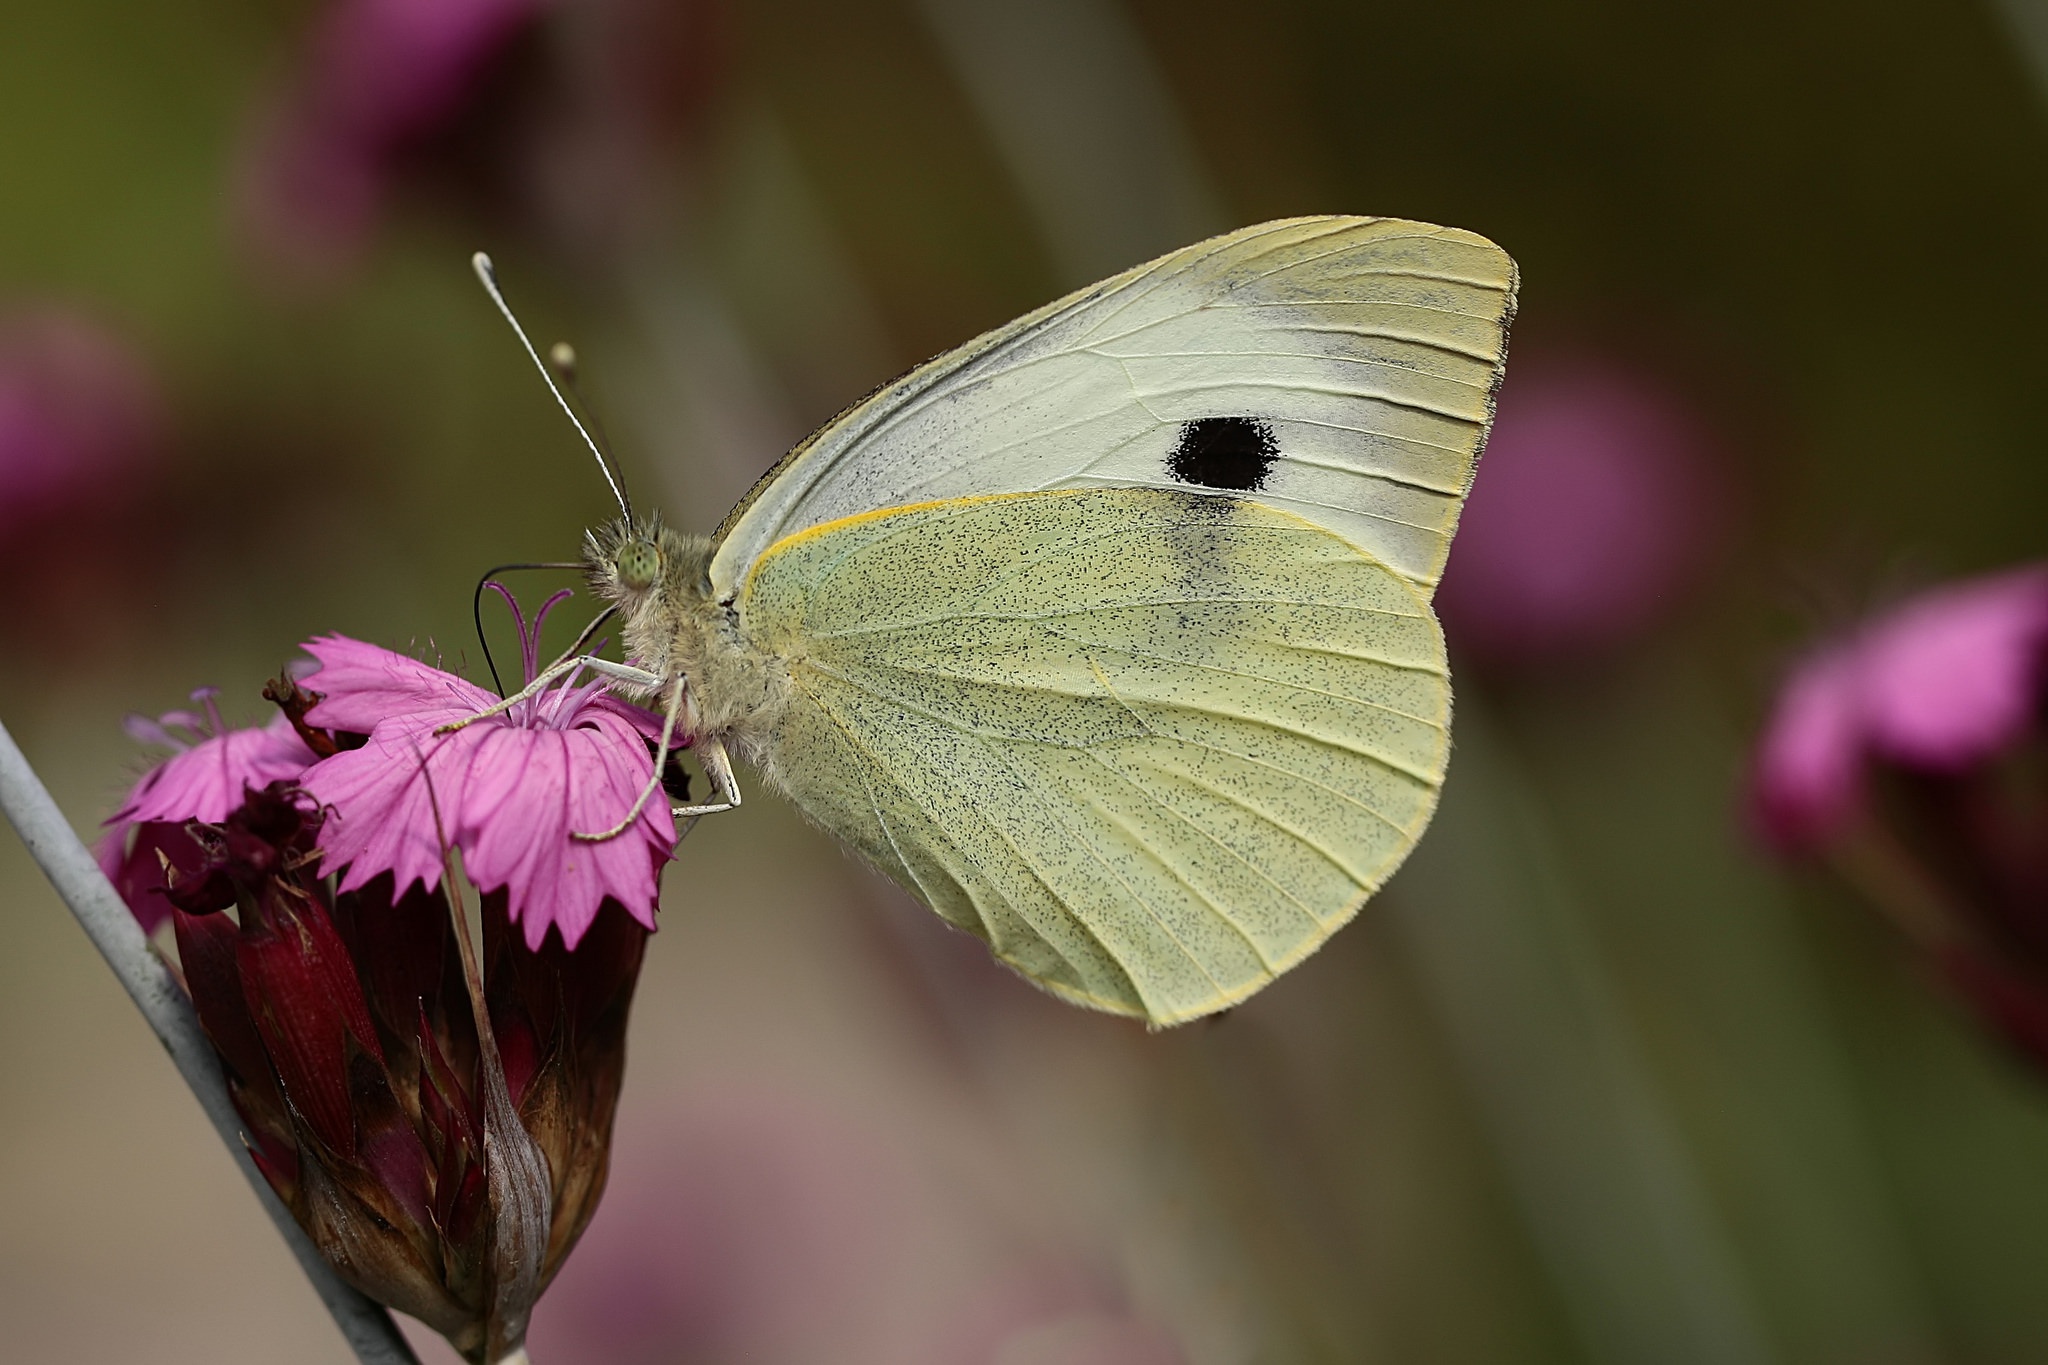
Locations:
(1593, 511)
(1912, 755)
(438, 1122)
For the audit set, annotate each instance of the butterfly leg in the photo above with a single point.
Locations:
(678, 703)
(638, 677)
(718, 767)
(625, 673)
(717, 763)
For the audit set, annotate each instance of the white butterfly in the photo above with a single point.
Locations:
(1107, 635)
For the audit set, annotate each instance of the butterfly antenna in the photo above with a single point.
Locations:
(488, 274)
(562, 360)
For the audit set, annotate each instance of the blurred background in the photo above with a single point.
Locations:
(1596, 1078)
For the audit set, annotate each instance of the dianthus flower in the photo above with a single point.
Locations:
(213, 769)
(1939, 685)
(563, 115)
(78, 416)
(513, 789)
(378, 76)
(438, 1121)
(1912, 755)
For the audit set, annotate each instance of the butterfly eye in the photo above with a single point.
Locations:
(638, 565)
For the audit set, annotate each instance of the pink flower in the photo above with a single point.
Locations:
(438, 1121)
(1911, 754)
(77, 413)
(1593, 511)
(210, 776)
(379, 76)
(567, 120)
(751, 1224)
(212, 773)
(1943, 682)
(513, 789)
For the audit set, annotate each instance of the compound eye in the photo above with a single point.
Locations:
(638, 565)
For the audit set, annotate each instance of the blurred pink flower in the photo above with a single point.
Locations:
(513, 789)
(377, 77)
(1942, 682)
(1059, 1315)
(1911, 754)
(209, 776)
(573, 135)
(750, 1223)
(1595, 507)
(78, 414)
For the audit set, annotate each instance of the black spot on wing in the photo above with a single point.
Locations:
(1224, 452)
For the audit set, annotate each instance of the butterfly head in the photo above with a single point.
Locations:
(659, 582)
(645, 568)
(630, 559)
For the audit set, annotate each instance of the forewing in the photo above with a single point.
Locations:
(1339, 368)
(1153, 747)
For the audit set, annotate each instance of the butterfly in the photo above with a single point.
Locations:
(1107, 635)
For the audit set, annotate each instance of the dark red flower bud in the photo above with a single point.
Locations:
(437, 1117)
(444, 1173)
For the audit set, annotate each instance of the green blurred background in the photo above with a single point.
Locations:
(1594, 1080)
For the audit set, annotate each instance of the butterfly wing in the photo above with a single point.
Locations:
(1154, 747)
(1339, 368)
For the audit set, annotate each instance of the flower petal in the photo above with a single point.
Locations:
(361, 684)
(513, 789)
(383, 798)
(1953, 676)
(209, 779)
(1805, 781)
(138, 873)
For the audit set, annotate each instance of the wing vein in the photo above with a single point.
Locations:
(1192, 708)
(1053, 813)
(1134, 652)
(1026, 863)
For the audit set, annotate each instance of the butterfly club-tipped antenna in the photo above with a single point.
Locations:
(487, 274)
(562, 360)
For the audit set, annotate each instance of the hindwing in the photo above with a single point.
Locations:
(1153, 746)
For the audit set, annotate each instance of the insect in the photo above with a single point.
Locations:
(1108, 634)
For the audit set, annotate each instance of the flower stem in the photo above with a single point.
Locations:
(1874, 861)
(368, 1327)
